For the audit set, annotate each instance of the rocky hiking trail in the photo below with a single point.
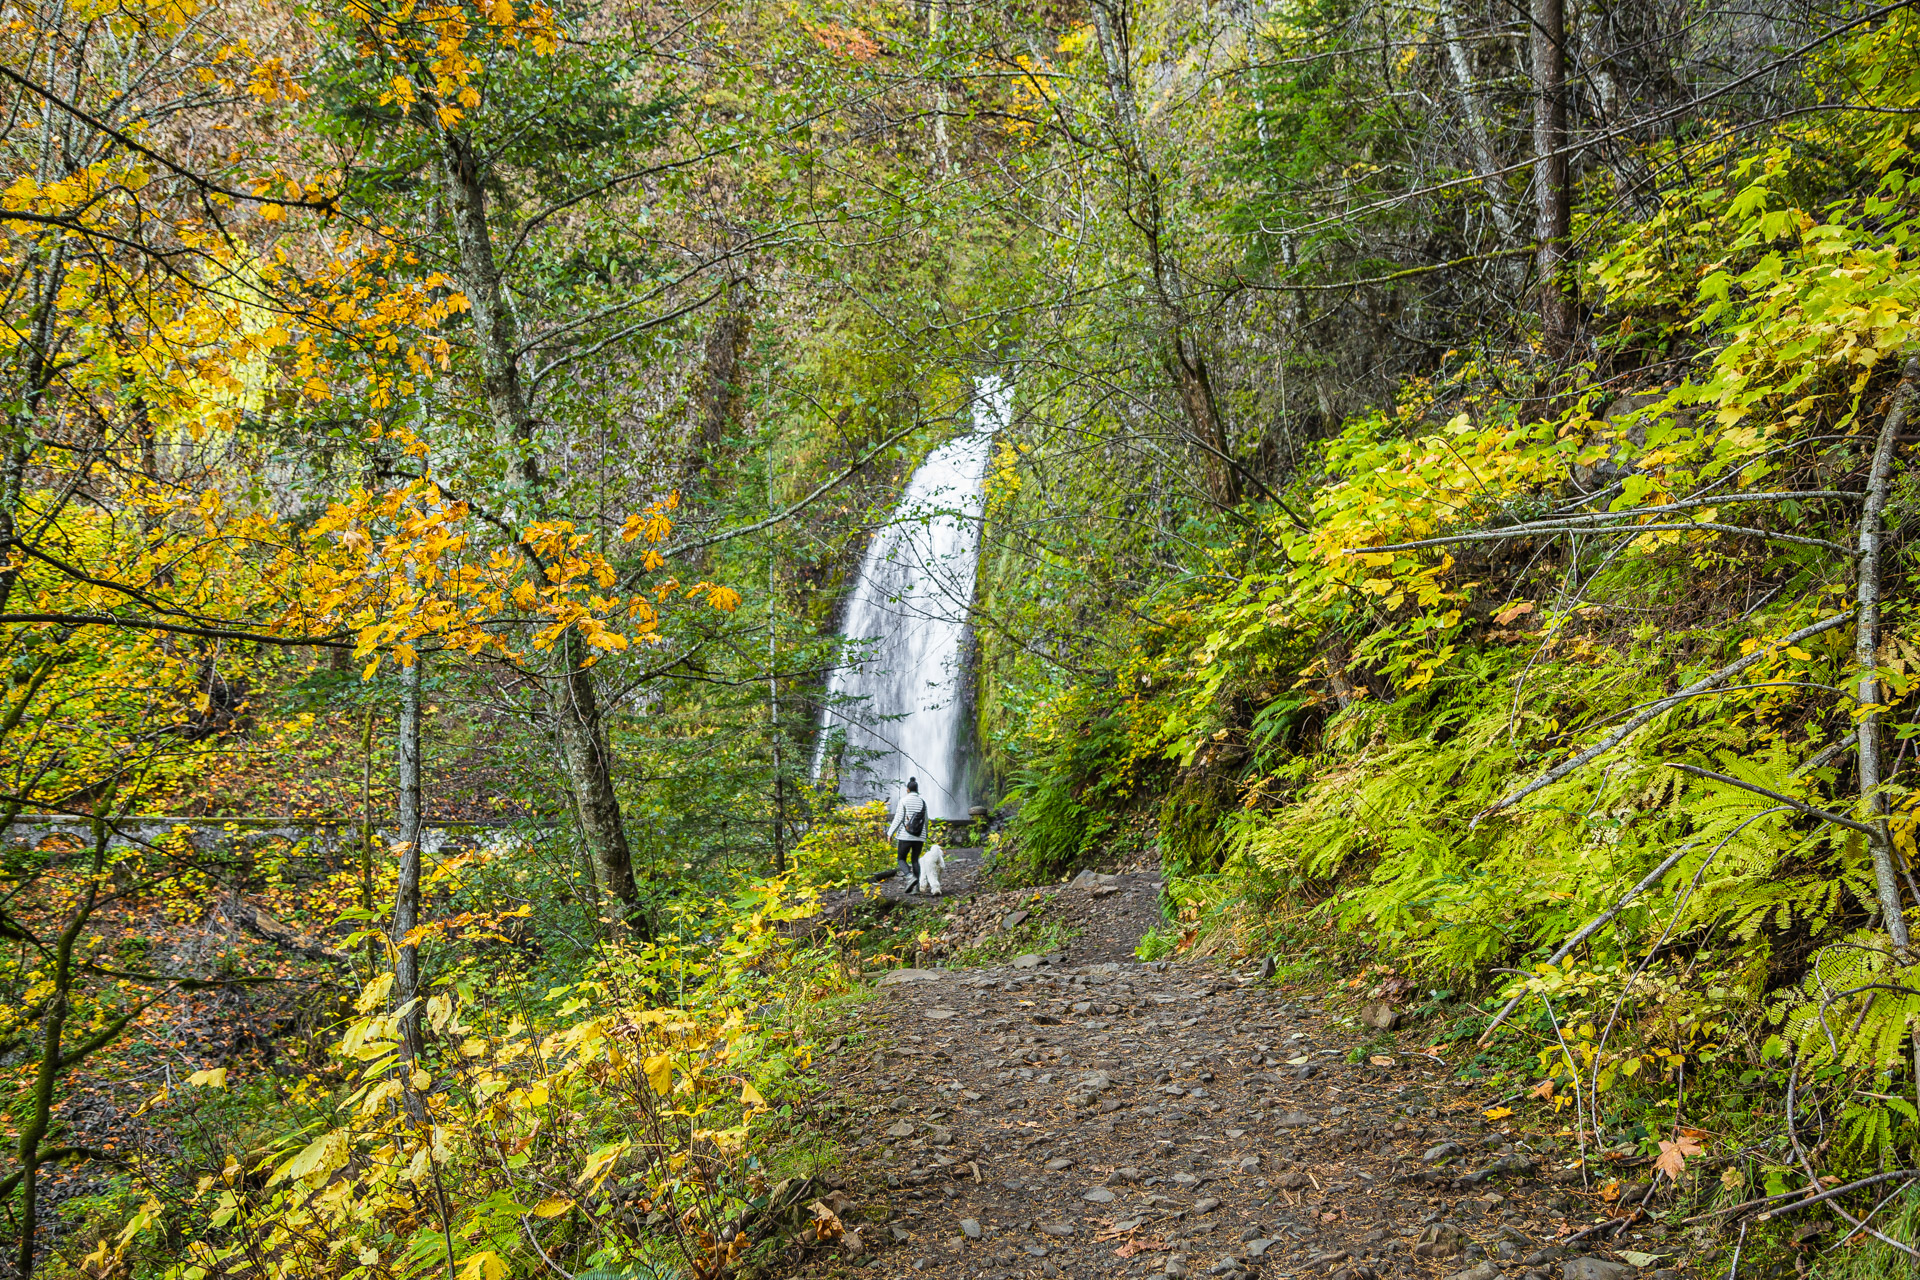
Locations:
(1085, 1114)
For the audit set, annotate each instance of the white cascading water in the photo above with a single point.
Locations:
(899, 695)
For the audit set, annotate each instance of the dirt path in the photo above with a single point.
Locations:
(1083, 1116)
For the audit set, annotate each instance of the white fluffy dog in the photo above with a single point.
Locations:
(930, 864)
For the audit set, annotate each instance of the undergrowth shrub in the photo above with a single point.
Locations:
(622, 1121)
(1191, 839)
(842, 847)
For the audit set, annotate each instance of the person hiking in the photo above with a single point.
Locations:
(908, 831)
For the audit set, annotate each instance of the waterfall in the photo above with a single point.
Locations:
(899, 695)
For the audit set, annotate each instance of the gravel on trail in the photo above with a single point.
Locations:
(1087, 1115)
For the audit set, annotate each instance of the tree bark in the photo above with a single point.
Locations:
(1866, 651)
(1186, 362)
(723, 378)
(1479, 141)
(1552, 210)
(406, 897)
(571, 693)
(581, 731)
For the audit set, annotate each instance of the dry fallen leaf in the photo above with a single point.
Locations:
(1381, 1060)
(1673, 1155)
(826, 1223)
(1513, 611)
(1497, 1113)
(1132, 1247)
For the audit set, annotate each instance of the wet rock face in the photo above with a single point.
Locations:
(1084, 1115)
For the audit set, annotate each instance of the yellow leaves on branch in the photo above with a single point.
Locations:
(425, 581)
(538, 1121)
(437, 51)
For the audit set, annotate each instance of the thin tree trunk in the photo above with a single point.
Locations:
(1185, 361)
(366, 840)
(942, 148)
(1866, 650)
(19, 448)
(581, 735)
(1552, 211)
(1479, 141)
(1203, 420)
(406, 897)
(496, 329)
(581, 730)
(720, 408)
(773, 685)
(54, 1059)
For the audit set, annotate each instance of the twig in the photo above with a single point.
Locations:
(1878, 1205)
(1587, 930)
(1789, 1195)
(1579, 1116)
(555, 1267)
(1758, 790)
(1585, 525)
(1678, 910)
(1866, 648)
(1607, 519)
(1598, 1228)
(1738, 1245)
(1619, 735)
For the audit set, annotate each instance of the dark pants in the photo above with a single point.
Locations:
(909, 851)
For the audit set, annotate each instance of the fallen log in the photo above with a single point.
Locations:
(245, 915)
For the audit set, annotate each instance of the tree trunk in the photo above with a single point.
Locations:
(19, 446)
(1485, 162)
(406, 898)
(55, 1060)
(1203, 421)
(942, 148)
(366, 840)
(774, 731)
(1552, 211)
(579, 730)
(1110, 30)
(1188, 367)
(723, 379)
(495, 328)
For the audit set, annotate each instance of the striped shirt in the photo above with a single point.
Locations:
(911, 807)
